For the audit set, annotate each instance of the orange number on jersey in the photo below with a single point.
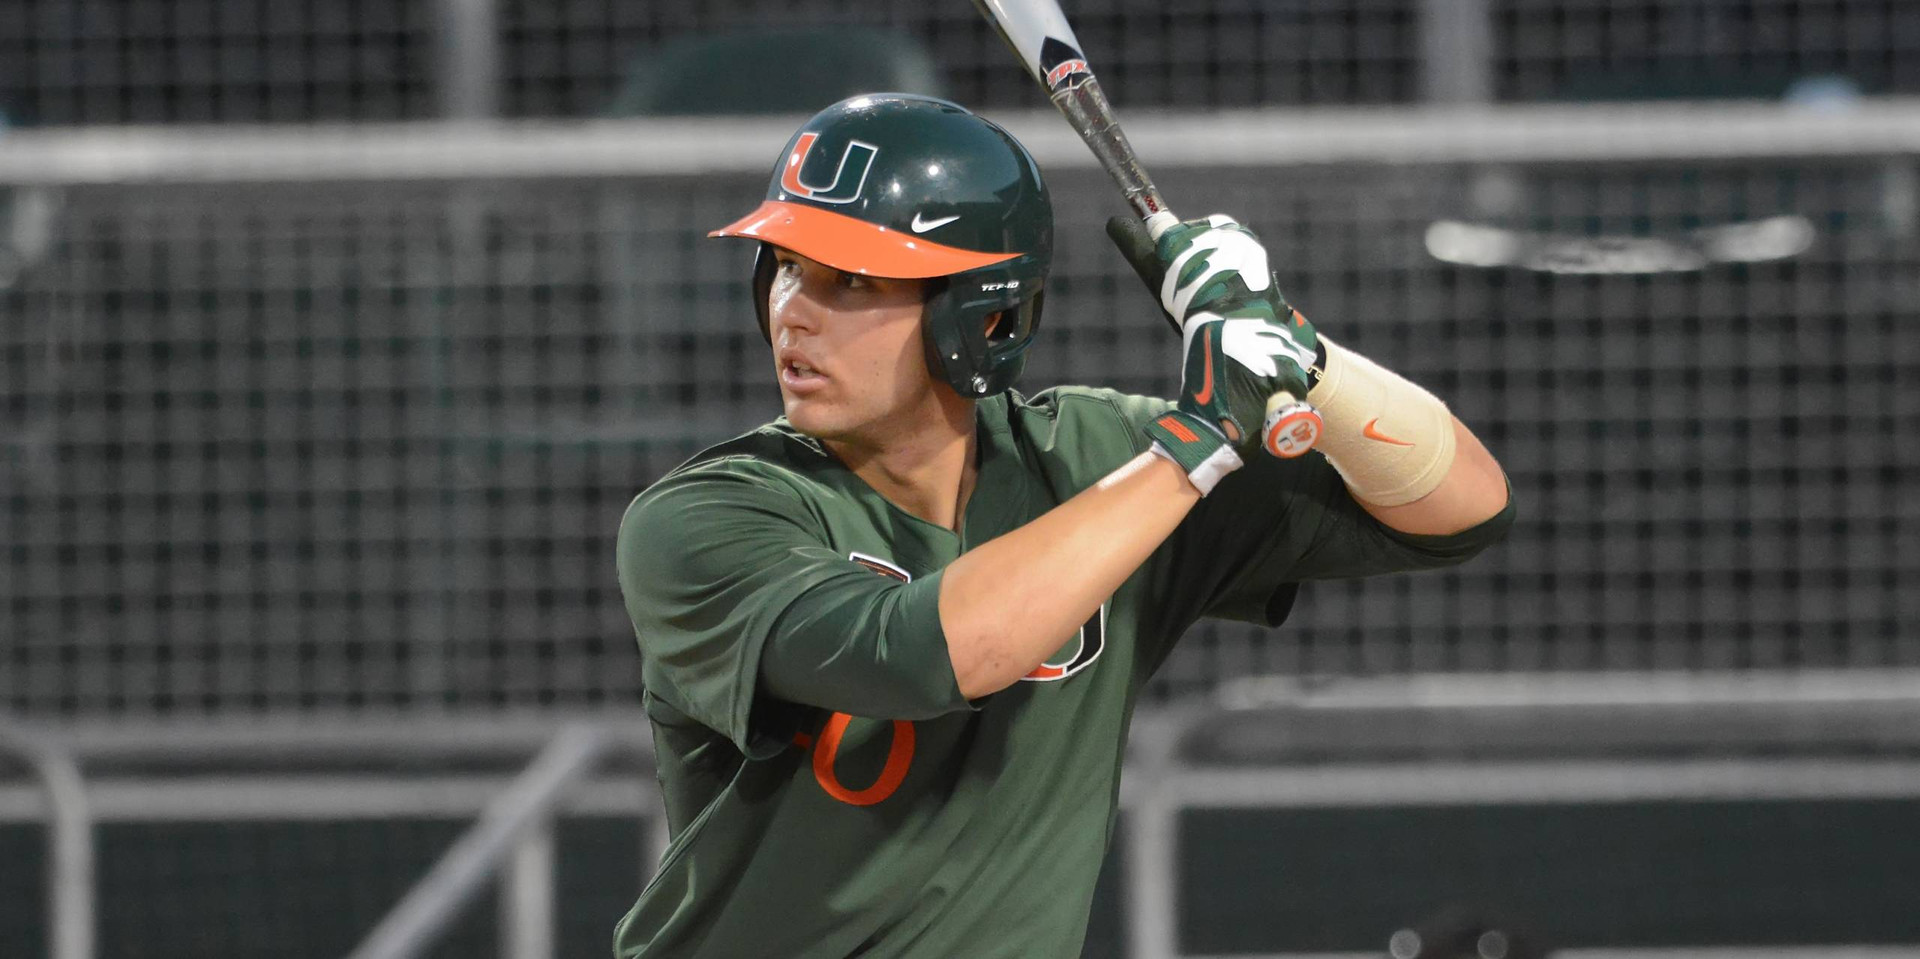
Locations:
(899, 757)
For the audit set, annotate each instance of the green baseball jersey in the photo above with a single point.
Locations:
(828, 790)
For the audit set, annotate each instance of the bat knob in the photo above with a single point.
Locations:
(1292, 426)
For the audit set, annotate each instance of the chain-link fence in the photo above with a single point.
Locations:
(349, 447)
(199, 61)
(1636, 49)
(209, 61)
(307, 445)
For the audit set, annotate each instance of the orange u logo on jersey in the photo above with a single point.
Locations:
(1076, 655)
(827, 749)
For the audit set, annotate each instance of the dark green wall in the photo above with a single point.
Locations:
(1668, 874)
(298, 890)
(1636, 874)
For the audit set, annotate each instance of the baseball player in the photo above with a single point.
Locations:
(891, 641)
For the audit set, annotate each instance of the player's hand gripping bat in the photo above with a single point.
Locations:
(1041, 37)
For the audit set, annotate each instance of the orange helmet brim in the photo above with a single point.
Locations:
(852, 245)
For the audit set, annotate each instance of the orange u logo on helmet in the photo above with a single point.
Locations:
(849, 178)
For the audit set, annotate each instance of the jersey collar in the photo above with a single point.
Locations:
(1002, 488)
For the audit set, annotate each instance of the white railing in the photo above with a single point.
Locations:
(465, 150)
(518, 823)
(63, 804)
(512, 837)
(1166, 776)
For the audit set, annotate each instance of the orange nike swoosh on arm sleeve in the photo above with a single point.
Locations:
(1373, 433)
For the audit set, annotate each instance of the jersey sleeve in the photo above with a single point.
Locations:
(746, 618)
(1276, 523)
(1271, 525)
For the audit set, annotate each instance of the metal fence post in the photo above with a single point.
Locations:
(527, 895)
(69, 844)
(469, 67)
(1151, 898)
(436, 900)
(1456, 51)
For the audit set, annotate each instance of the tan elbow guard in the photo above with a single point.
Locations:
(1390, 440)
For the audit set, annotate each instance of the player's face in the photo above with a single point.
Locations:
(847, 351)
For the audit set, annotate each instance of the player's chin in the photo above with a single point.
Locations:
(812, 417)
(830, 426)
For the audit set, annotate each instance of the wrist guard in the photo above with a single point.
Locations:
(1195, 446)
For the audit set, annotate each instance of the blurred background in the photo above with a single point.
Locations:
(335, 336)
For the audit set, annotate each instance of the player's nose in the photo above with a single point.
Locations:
(795, 309)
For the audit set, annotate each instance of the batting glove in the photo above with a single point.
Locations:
(1246, 351)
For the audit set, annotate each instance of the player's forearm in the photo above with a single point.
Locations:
(1009, 603)
(1412, 464)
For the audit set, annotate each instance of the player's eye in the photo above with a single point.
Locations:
(854, 281)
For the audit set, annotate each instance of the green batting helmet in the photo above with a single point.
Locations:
(895, 185)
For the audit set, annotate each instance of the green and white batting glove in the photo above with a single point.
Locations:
(1246, 351)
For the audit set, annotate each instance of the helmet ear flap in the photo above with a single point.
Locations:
(950, 356)
(1021, 322)
(764, 266)
(959, 348)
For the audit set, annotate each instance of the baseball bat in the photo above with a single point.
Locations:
(1041, 37)
(1044, 42)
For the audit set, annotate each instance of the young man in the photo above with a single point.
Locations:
(891, 642)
